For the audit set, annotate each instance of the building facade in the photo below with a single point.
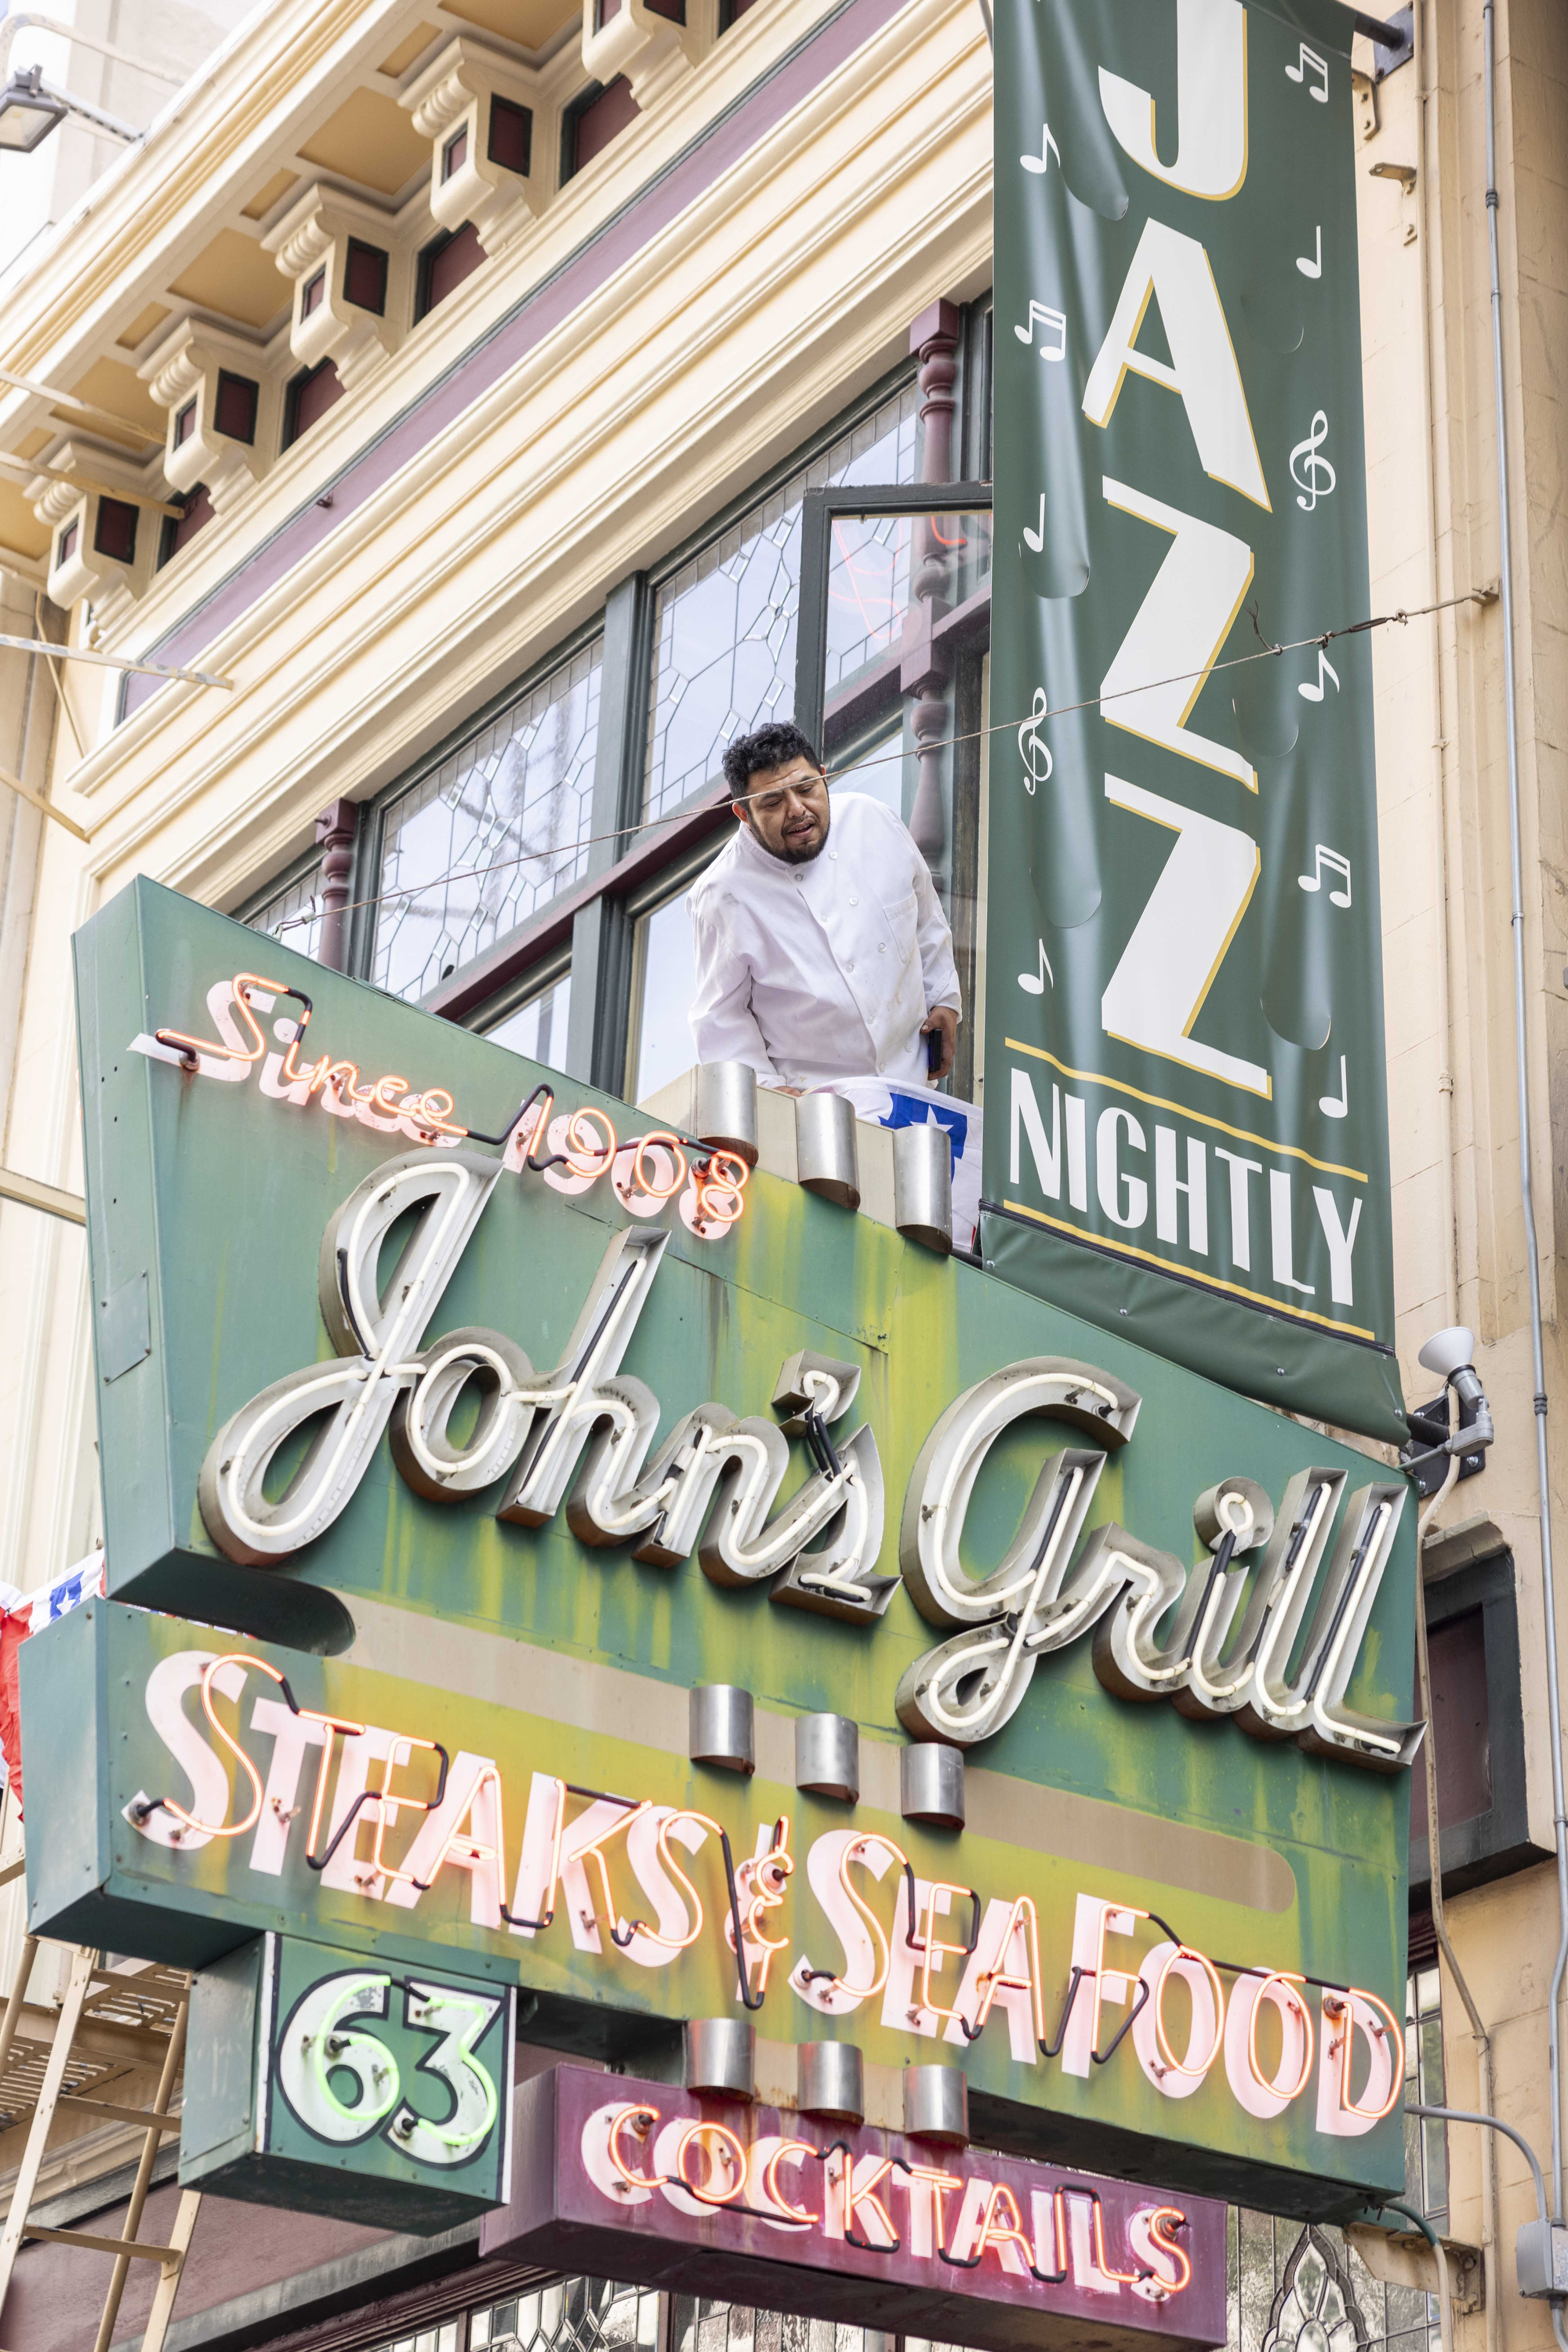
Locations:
(427, 404)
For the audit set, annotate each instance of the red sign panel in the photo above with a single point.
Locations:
(655, 2186)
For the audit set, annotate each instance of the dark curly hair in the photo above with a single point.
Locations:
(772, 746)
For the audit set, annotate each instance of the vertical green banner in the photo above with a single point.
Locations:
(1185, 1131)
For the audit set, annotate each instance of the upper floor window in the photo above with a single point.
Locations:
(290, 912)
(724, 623)
(498, 827)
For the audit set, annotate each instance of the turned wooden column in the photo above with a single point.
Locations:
(926, 671)
(335, 830)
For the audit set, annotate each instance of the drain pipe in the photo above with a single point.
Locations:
(1482, 2039)
(1532, 1251)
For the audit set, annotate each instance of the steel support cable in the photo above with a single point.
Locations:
(1268, 651)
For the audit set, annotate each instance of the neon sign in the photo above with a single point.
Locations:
(657, 2185)
(460, 1825)
(581, 1436)
(582, 1142)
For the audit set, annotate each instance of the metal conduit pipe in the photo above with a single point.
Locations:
(1532, 1250)
(1419, 2222)
(1482, 2039)
(1427, 146)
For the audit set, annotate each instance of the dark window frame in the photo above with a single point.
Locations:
(588, 926)
(542, 930)
(1496, 1843)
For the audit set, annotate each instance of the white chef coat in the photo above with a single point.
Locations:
(827, 969)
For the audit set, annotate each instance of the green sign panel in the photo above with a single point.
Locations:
(494, 1451)
(1186, 1128)
(324, 2081)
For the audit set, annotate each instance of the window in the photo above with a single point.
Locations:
(315, 294)
(67, 539)
(455, 154)
(234, 410)
(591, 123)
(664, 981)
(1425, 2142)
(310, 397)
(511, 136)
(537, 1027)
(576, 2315)
(724, 624)
(290, 909)
(364, 276)
(115, 532)
(185, 424)
(491, 833)
(444, 264)
(178, 533)
(477, 860)
(446, 2338)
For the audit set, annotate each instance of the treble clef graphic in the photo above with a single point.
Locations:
(1032, 749)
(1308, 470)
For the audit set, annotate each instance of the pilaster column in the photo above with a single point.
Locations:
(336, 829)
(926, 670)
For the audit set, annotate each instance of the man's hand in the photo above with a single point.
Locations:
(942, 1023)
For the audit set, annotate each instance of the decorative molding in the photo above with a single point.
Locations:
(514, 370)
(451, 103)
(80, 569)
(311, 245)
(185, 367)
(653, 51)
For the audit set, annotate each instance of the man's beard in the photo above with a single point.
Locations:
(803, 856)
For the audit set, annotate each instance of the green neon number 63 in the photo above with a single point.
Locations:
(343, 2083)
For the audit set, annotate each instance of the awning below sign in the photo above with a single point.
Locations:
(653, 2185)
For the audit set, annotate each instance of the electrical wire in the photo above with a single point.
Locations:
(1268, 652)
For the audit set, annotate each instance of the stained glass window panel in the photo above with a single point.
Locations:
(293, 914)
(490, 834)
(724, 623)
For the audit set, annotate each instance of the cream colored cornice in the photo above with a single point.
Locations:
(286, 64)
(157, 770)
(483, 300)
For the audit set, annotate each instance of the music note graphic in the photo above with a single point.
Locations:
(1032, 749)
(1336, 864)
(1310, 62)
(1033, 983)
(1034, 540)
(1313, 269)
(1315, 467)
(1336, 1105)
(1047, 148)
(1315, 693)
(1053, 322)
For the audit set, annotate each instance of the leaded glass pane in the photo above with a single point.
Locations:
(490, 834)
(724, 623)
(293, 914)
(576, 2315)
